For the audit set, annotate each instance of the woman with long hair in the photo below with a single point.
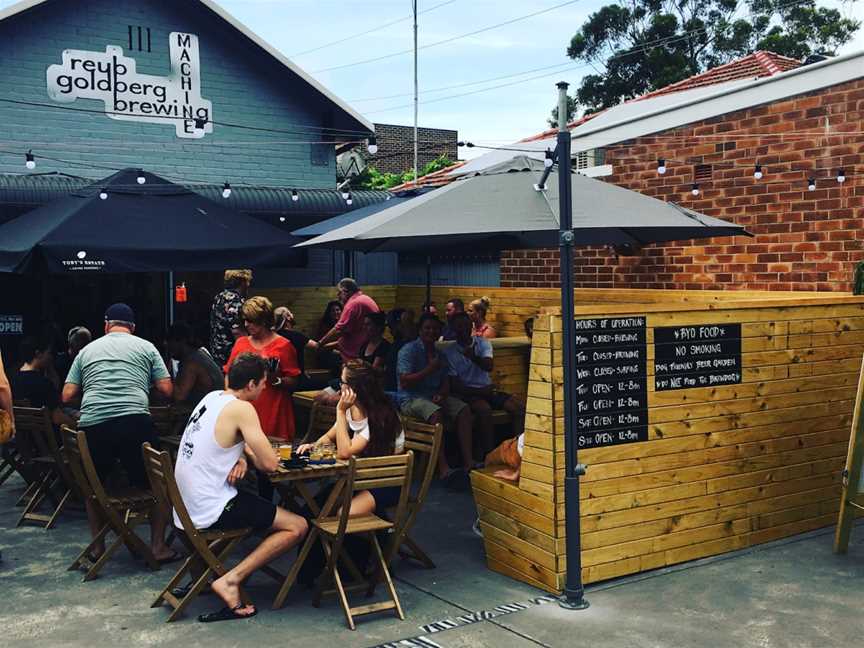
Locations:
(477, 310)
(328, 320)
(327, 355)
(367, 425)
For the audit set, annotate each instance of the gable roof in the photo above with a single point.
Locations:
(344, 116)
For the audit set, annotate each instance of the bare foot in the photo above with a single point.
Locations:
(230, 594)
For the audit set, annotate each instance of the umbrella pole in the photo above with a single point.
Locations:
(574, 591)
(170, 295)
(428, 306)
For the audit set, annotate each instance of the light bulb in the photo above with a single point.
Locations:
(349, 200)
(141, 179)
(549, 161)
(226, 190)
(30, 161)
(841, 176)
(103, 195)
(661, 166)
(695, 190)
(281, 219)
(294, 195)
(757, 173)
(372, 146)
(345, 195)
(811, 184)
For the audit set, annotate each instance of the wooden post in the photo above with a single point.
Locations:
(851, 499)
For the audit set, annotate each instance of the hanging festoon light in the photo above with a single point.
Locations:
(695, 189)
(841, 176)
(349, 200)
(757, 172)
(345, 194)
(200, 125)
(372, 145)
(226, 190)
(811, 184)
(103, 194)
(661, 166)
(141, 179)
(281, 219)
(294, 195)
(550, 158)
(29, 160)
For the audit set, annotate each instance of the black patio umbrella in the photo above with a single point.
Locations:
(121, 224)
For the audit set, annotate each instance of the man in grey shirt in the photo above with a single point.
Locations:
(115, 374)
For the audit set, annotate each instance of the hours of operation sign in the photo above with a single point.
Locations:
(610, 381)
(702, 355)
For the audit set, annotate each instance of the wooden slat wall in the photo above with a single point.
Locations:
(724, 468)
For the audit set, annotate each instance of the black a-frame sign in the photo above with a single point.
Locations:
(852, 497)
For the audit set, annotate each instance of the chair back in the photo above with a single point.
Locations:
(74, 460)
(425, 441)
(321, 419)
(160, 472)
(376, 472)
(29, 435)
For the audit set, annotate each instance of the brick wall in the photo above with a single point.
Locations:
(245, 86)
(396, 147)
(805, 240)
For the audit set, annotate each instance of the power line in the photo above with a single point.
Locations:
(449, 40)
(370, 31)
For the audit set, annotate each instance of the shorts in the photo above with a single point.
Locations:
(496, 399)
(423, 408)
(385, 498)
(246, 510)
(121, 439)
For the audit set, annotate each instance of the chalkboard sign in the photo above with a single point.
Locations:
(702, 355)
(610, 381)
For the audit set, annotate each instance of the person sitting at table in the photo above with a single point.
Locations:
(367, 425)
(376, 349)
(452, 307)
(424, 394)
(198, 373)
(470, 362)
(31, 384)
(477, 310)
(328, 355)
(77, 338)
(222, 429)
(400, 321)
(300, 341)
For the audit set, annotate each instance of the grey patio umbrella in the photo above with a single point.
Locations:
(500, 208)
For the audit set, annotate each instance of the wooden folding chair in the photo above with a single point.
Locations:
(25, 452)
(425, 441)
(38, 441)
(374, 472)
(122, 510)
(208, 548)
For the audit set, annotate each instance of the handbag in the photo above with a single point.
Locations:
(5, 427)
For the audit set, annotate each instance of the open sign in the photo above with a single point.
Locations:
(11, 325)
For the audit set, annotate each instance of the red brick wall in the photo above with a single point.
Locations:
(805, 240)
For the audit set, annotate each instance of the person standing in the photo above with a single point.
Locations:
(274, 406)
(114, 374)
(198, 373)
(349, 329)
(225, 322)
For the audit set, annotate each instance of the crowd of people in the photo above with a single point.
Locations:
(239, 390)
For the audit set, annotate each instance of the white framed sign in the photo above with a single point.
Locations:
(112, 78)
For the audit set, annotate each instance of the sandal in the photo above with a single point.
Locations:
(181, 591)
(226, 614)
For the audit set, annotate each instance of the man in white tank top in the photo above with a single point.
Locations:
(221, 433)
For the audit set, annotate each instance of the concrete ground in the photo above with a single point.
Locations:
(793, 593)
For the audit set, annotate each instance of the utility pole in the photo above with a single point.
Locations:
(574, 592)
(416, 93)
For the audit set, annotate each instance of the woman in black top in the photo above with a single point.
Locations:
(377, 349)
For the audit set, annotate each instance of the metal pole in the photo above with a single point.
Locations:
(428, 282)
(573, 598)
(170, 298)
(416, 95)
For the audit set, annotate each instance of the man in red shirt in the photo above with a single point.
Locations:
(349, 329)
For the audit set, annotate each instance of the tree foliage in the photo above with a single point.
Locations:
(372, 178)
(641, 45)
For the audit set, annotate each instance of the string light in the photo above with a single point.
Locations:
(103, 194)
(30, 161)
(349, 200)
(141, 179)
(372, 146)
(811, 184)
(294, 195)
(757, 173)
(281, 219)
(841, 176)
(695, 189)
(550, 159)
(661, 166)
(346, 194)
(226, 190)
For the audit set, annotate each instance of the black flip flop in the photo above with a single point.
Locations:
(182, 590)
(226, 614)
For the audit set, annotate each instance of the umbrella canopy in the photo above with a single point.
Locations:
(500, 208)
(356, 214)
(156, 226)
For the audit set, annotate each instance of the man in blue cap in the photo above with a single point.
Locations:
(114, 374)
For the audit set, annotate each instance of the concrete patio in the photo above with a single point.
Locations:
(793, 593)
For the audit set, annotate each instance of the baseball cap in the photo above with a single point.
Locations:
(120, 313)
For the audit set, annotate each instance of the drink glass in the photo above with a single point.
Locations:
(285, 452)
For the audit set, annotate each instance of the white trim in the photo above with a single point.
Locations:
(24, 5)
(596, 171)
(799, 81)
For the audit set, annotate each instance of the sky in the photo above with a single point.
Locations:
(529, 53)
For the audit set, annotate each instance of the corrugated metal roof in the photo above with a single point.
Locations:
(33, 190)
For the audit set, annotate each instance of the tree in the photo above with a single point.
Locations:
(372, 178)
(642, 45)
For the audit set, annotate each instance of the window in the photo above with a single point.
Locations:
(591, 158)
(139, 38)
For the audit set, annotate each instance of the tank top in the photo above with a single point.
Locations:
(203, 465)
